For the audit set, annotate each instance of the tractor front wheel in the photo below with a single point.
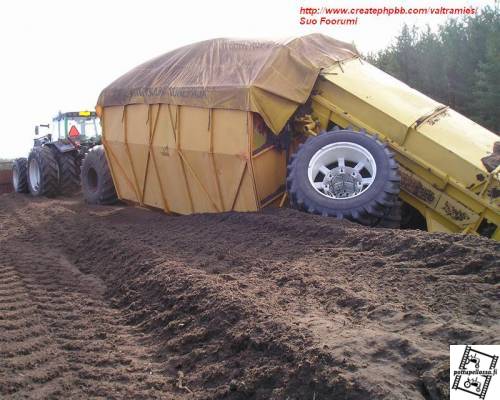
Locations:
(20, 176)
(43, 172)
(97, 183)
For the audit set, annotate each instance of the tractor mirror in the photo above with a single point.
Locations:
(36, 130)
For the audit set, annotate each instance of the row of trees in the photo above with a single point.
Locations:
(458, 65)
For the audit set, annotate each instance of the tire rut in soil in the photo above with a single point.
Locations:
(62, 340)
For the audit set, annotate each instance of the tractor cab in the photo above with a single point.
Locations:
(78, 128)
(70, 131)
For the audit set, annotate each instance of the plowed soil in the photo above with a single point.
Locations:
(5, 179)
(122, 302)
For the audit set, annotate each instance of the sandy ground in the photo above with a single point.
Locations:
(121, 302)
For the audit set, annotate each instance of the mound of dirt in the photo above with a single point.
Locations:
(123, 302)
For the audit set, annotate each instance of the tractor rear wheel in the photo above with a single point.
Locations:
(97, 183)
(20, 175)
(344, 174)
(43, 172)
(69, 173)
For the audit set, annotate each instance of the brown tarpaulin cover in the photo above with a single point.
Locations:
(268, 77)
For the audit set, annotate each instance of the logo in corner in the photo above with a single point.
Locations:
(473, 372)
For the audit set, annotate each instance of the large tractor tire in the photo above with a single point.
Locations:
(97, 183)
(43, 172)
(69, 173)
(393, 217)
(20, 175)
(344, 174)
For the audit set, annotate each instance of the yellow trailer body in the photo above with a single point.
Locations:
(190, 143)
(187, 159)
(439, 150)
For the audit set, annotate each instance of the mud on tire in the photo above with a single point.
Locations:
(97, 183)
(69, 173)
(43, 172)
(20, 175)
(371, 205)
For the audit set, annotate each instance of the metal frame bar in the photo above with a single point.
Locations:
(113, 155)
(265, 150)
(212, 156)
(249, 156)
(176, 131)
(236, 195)
(191, 169)
(127, 148)
(107, 149)
(155, 165)
(273, 198)
(146, 170)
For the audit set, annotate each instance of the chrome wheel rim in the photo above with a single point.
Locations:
(15, 179)
(34, 174)
(342, 170)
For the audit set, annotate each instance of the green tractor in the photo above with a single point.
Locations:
(53, 165)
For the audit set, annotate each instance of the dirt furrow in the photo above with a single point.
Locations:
(244, 306)
(60, 338)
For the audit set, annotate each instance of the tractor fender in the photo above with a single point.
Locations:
(62, 147)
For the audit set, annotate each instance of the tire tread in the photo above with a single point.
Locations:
(371, 213)
(49, 171)
(69, 174)
(105, 193)
(21, 164)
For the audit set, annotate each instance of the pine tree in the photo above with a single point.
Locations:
(459, 65)
(486, 89)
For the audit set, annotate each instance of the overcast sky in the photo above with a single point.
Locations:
(58, 55)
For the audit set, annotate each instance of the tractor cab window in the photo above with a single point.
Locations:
(83, 128)
(57, 133)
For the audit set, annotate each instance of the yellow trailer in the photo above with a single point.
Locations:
(213, 126)
(439, 151)
(187, 159)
